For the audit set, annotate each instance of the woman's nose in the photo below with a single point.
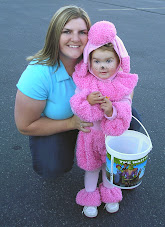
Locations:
(75, 37)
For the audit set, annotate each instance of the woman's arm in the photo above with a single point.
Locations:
(29, 121)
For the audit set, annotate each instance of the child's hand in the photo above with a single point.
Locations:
(107, 107)
(95, 97)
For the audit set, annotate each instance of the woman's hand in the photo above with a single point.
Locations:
(106, 106)
(80, 125)
(95, 97)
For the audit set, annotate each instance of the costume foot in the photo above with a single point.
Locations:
(90, 211)
(112, 207)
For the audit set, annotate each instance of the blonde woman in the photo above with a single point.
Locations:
(42, 108)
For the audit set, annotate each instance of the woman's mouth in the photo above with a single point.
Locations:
(73, 46)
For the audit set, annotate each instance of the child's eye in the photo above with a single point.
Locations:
(109, 61)
(96, 61)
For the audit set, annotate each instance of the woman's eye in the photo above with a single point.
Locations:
(83, 32)
(66, 32)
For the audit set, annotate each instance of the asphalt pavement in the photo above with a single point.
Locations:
(25, 198)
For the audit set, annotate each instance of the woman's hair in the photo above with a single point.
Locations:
(49, 55)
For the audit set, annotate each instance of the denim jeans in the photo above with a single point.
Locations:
(53, 155)
(134, 124)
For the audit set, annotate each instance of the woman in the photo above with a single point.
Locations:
(42, 108)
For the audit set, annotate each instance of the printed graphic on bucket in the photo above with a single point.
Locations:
(125, 173)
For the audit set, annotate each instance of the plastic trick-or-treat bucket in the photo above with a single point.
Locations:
(126, 158)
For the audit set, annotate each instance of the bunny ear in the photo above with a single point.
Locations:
(86, 53)
(81, 69)
(123, 54)
(125, 64)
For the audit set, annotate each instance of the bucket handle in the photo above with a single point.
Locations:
(143, 128)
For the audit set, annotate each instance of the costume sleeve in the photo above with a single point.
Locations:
(117, 125)
(126, 98)
(81, 107)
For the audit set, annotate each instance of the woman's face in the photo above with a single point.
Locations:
(73, 39)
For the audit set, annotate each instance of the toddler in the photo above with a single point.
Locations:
(104, 86)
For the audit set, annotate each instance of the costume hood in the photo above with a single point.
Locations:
(101, 33)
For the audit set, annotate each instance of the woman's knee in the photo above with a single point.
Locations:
(52, 157)
(50, 172)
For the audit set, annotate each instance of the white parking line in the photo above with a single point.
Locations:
(131, 9)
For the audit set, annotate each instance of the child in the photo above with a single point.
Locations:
(102, 97)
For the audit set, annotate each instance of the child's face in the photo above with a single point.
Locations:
(104, 63)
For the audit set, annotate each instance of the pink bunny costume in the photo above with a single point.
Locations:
(91, 151)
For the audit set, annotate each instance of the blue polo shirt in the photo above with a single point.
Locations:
(41, 82)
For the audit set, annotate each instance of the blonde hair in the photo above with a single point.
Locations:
(49, 55)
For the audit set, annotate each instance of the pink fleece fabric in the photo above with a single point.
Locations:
(95, 198)
(91, 151)
(85, 198)
(110, 195)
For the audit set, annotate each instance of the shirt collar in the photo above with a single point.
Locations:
(61, 73)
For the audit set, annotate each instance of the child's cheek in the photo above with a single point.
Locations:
(110, 67)
(96, 68)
